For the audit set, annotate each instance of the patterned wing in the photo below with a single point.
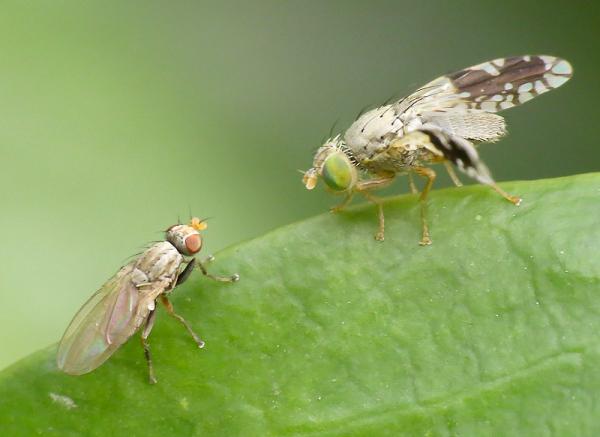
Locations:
(106, 321)
(507, 82)
(464, 103)
(491, 86)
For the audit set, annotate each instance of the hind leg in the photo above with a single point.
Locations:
(148, 325)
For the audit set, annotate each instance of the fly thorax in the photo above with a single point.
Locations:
(162, 260)
(369, 133)
(413, 122)
(138, 276)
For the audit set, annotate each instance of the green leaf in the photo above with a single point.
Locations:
(492, 330)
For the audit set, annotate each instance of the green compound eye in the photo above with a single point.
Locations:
(338, 172)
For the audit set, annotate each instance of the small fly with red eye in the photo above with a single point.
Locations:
(127, 301)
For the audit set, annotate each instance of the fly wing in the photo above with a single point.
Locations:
(106, 321)
(507, 82)
(491, 86)
(472, 124)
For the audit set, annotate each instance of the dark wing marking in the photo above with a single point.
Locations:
(507, 82)
(490, 86)
(460, 152)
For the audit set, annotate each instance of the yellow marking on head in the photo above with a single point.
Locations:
(198, 224)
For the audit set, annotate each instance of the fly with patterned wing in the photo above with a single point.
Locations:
(440, 122)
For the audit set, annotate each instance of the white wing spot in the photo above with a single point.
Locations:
(506, 105)
(508, 86)
(562, 67)
(526, 87)
(151, 306)
(488, 106)
(540, 87)
(509, 98)
(499, 62)
(525, 97)
(527, 58)
(548, 60)
(555, 81)
(497, 98)
(63, 401)
(464, 95)
(488, 68)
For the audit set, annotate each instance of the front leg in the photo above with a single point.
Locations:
(185, 274)
(364, 187)
(187, 271)
(344, 203)
(233, 278)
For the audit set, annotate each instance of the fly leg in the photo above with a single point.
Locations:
(233, 278)
(411, 184)
(430, 175)
(169, 307)
(148, 324)
(186, 272)
(344, 203)
(208, 259)
(515, 200)
(464, 155)
(372, 184)
(380, 235)
(452, 174)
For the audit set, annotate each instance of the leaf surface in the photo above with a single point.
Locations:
(492, 330)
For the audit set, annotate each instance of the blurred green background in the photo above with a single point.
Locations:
(118, 117)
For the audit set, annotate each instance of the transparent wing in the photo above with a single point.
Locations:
(491, 86)
(105, 322)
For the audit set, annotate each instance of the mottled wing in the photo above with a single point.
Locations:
(507, 82)
(490, 86)
(105, 322)
(464, 103)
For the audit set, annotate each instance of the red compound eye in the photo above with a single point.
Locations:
(193, 243)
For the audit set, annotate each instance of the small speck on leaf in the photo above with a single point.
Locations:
(64, 401)
(185, 404)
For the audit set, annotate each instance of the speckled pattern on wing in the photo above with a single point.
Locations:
(507, 82)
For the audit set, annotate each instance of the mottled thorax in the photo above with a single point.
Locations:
(161, 261)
